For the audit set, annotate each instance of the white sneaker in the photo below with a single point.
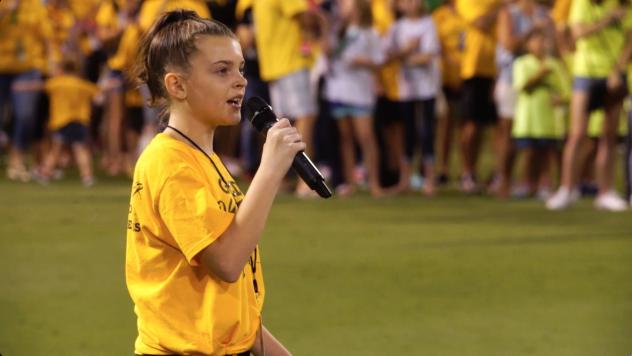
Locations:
(610, 201)
(562, 199)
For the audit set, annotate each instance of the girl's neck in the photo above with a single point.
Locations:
(192, 128)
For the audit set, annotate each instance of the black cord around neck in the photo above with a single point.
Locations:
(221, 176)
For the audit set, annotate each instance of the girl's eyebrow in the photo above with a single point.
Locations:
(228, 62)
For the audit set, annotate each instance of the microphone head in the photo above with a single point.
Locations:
(260, 114)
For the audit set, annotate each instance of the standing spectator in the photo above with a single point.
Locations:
(282, 30)
(451, 32)
(413, 41)
(70, 106)
(25, 28)
(539, 83)
(250, 139)
(350, 89)
(478, 72)
(515, 23)
(604, 45)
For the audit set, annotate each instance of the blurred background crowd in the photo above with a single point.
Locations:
(391, 96)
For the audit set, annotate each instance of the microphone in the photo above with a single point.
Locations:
(260, 114)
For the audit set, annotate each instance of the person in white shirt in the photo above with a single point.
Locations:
(354, 54)
(414, 42)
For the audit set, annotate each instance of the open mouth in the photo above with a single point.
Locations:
(235, 102)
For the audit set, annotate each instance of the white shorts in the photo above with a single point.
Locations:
(292, 96)
(505, 98)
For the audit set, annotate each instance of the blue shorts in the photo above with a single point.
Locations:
(74, 132)
(341, 111)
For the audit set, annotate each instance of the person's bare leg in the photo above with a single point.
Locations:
(51, 159)
(363, 127)
(84, 161)
(577, 133)
(114, 117)
(469, 152)
(347, 153)
(606, 148)
(504, 162)
(305, 126)
(445, 132)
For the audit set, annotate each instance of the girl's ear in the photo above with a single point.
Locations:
(174, 84)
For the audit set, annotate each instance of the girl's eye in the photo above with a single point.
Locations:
(222, 71)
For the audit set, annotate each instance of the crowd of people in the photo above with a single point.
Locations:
(381, 91)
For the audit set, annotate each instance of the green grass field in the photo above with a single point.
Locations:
(451, 275)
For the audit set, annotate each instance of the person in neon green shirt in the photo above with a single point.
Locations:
(538, 80)
(602, 30)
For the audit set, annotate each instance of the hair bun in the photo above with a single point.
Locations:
(174, 16)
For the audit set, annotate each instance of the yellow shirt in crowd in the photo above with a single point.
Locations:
(179, 205)
(151, 9)
(62, 20)
(278, 37)
(70, 100)
(451, 33)
(25, 31)
(388, 75)
(597, 54)
(125, 56)
(479, 57)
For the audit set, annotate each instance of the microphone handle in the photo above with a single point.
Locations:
(306, 169)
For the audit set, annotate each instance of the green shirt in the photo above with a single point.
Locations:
(535, 111)
(597, 54)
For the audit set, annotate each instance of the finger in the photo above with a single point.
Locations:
(299, 146)
(282, 123)
(292, 138)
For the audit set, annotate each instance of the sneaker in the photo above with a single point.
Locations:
(468, 185)
(610, 201)
(544, 194)
(562, 199)
(88, 181)
(18, 174)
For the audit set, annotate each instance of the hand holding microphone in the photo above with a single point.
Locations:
(260, 114)
(283, 142)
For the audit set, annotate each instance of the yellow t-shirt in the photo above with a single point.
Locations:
(24, 32)
(62, 20)
(560, 11)
(179, 205)
(125, 55)
(535, 112)
(479, 56)
(451, 32)
(70, 100)
(388, 74)
(151, 10)
(84, 8)
(597, 54)
(278, 37)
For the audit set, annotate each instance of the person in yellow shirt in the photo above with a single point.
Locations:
(282, 32)
(70, 107)
(117, 29)
(25, 28)
(193, 267)
(603, 34)
(478, 72)
(451, 32)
